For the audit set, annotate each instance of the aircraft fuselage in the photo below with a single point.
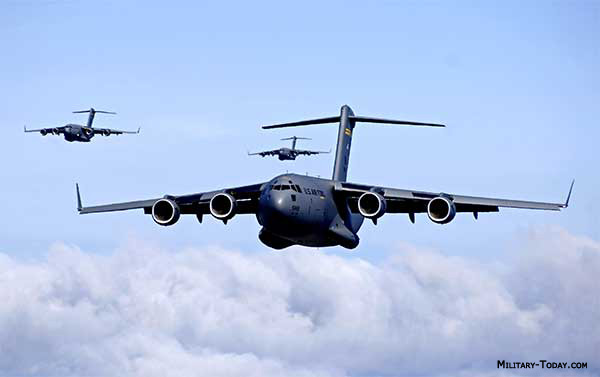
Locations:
(76, 132)
(296, 209)
(286, 154)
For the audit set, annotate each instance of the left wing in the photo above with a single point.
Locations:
(198, 204)
(308, 153)
(411, 202)
(109, 131)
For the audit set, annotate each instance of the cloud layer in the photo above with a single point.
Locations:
(143, 311)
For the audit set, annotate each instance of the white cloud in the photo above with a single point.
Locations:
(143, 311)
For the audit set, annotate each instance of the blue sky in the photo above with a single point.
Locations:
(517, 84)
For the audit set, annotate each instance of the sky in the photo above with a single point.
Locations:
(516, 84)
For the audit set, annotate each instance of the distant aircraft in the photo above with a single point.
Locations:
(287, 153)
(77, 132)
(302, 210)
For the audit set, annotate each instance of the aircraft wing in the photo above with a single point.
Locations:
(110, 131)
(308, 153)
(197, 204)
(265, 153)
(46, 130)
(409, 201)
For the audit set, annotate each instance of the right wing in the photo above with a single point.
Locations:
(265, 153)
(45, 131)
(197, 204)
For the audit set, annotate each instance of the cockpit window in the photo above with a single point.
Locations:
(282, 187)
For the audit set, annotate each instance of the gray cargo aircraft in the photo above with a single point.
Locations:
(302, 210)
(77, 132)
(288, 153)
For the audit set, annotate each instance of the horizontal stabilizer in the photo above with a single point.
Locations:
(354, 118)
(392, 121)
(334, 119)
(93, 111)
(296, 138)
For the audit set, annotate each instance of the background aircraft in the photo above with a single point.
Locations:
(287, 153)
(77, 132)
(304, 210)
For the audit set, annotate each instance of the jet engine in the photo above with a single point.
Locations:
(106, 133)
(55, 131)
(441, 210)
(165, 212)
(44, 132)
(371, 205)
(222, 206)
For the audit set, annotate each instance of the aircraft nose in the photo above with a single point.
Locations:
(279, 202)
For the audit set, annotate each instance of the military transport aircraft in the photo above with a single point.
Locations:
(288, 153)
(77, 132)
(303, 210)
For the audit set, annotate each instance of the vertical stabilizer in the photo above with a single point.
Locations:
(91, 117)
(347, 120)
(92, 112)
(342, 153)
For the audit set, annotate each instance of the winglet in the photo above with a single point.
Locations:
(569, 195)
(25, 128)
(138, 131)
(79, 206)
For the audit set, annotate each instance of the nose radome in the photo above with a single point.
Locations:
(279, 201)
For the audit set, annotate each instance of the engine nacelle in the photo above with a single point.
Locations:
(44, 132)
(56, 131)
(106, 133)
(165, 212)
(441, 210)
(372, 205)
(222, 206)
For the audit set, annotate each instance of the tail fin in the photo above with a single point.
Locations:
(92, 112)
(295, 138)
(347, 120)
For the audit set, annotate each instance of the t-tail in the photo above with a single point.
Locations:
(92, 112)
(294, 139)
(347, 121)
